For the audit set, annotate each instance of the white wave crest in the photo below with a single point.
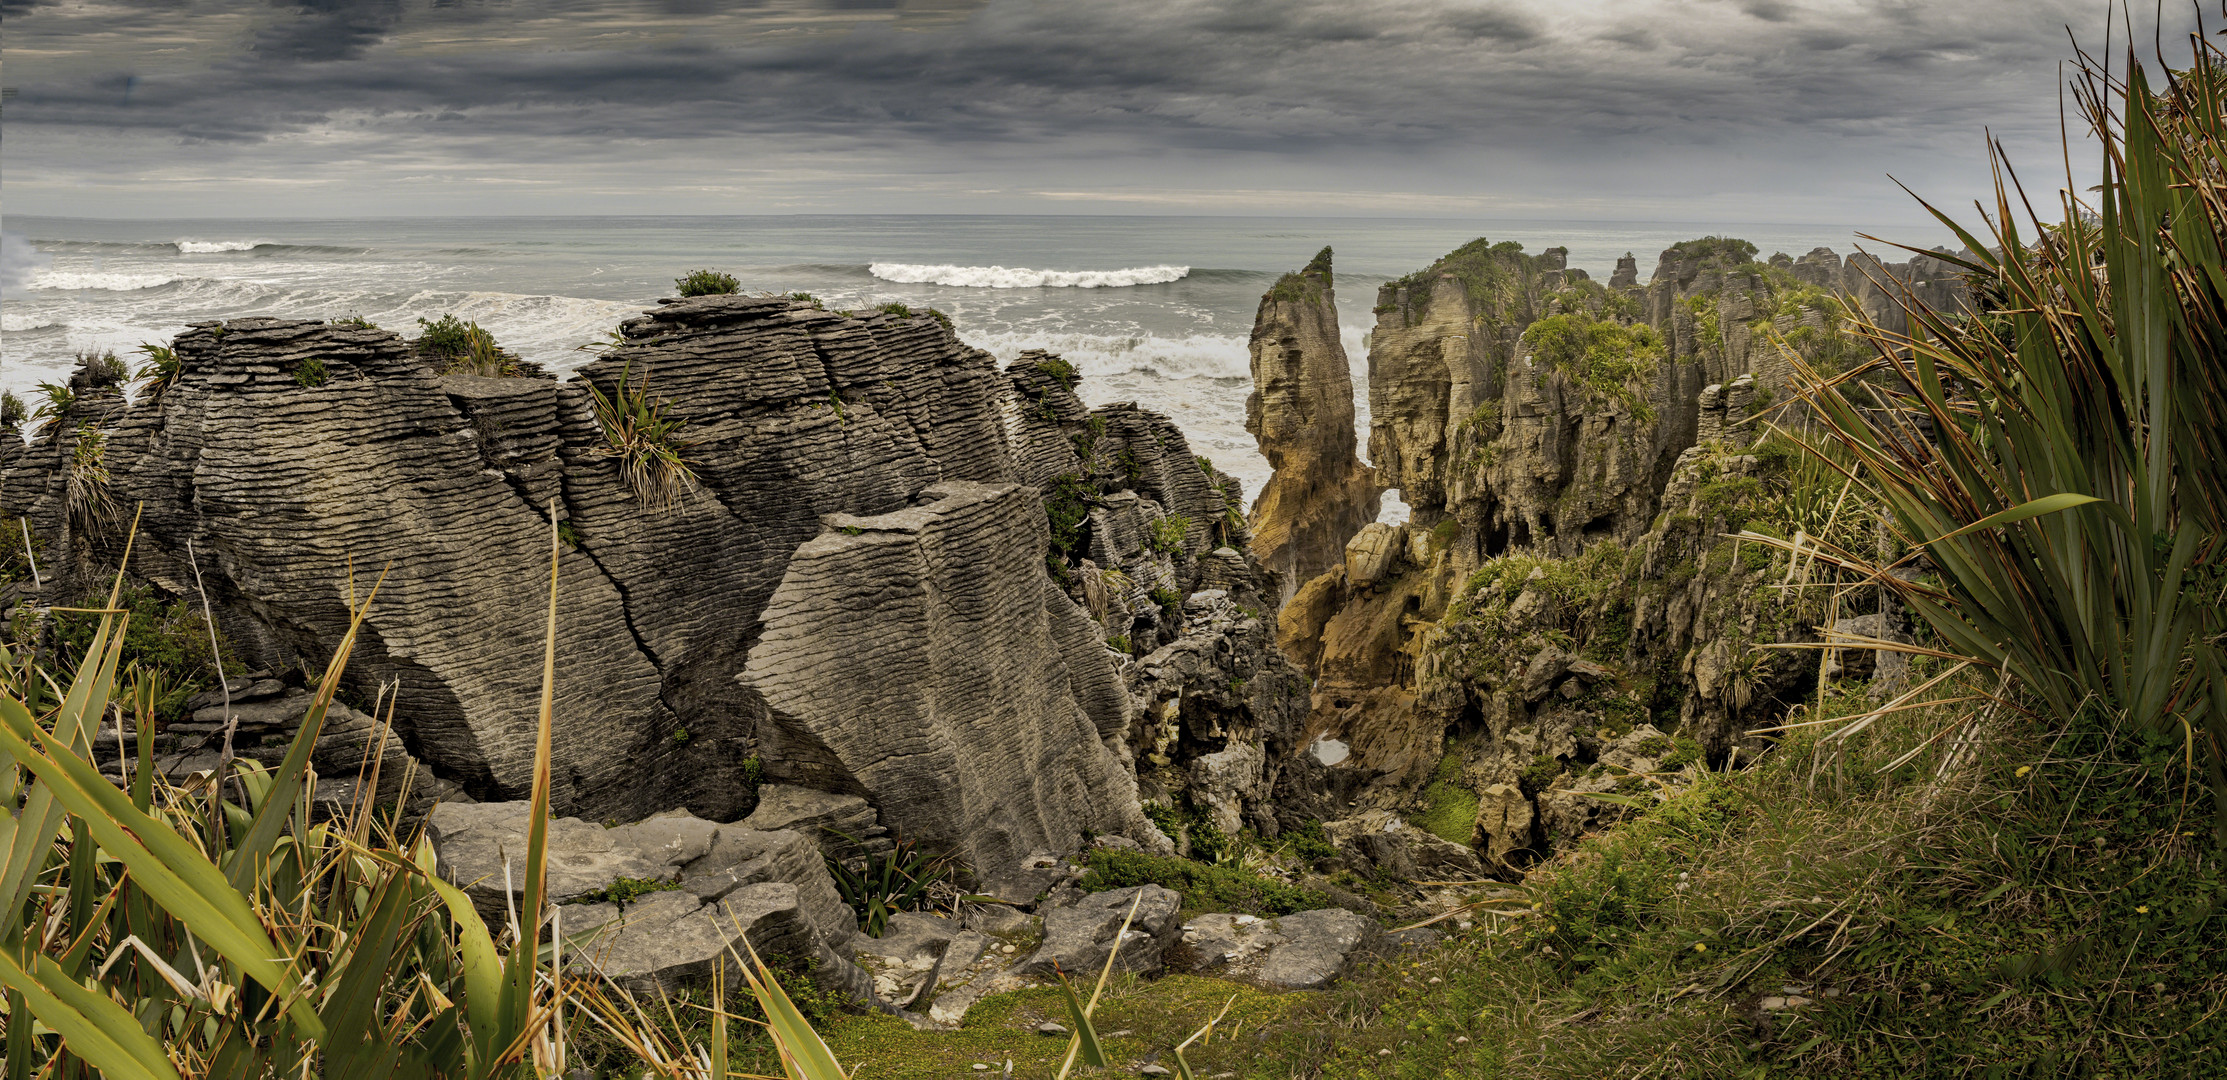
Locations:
(60, 279)
(1021, 277)
(211, 247)
(1196, 356)
(18, 323)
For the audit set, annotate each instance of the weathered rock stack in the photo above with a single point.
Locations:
(1301, 411)
(1573, 456)
(857, 596)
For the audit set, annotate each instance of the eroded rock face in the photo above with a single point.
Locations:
(1219, 715)
(924, 656)
(1510, 446)
(872, 462)
(1301, 411)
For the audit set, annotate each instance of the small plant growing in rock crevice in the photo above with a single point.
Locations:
(162, 368)
(879, 884)
(1167, 534)
(707, 283)
(311, 373)
(87, 501)
(626, 890)
(647, 442)
(13, 412)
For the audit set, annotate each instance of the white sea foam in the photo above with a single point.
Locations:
(112, 282)
(1196, 356)
(17, 323)
(1022, 277)
(211, 247)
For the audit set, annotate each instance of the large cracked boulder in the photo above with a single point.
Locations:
(707, 861)
(1077, 939)
(1384, 844)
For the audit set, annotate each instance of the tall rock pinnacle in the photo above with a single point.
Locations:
(1301, 411)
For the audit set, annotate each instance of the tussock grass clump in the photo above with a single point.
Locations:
(103, 370)
(707, 283)
(87, 502)
(646, 440)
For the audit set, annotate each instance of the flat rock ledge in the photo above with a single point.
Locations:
(715, 886)
(1308, 950)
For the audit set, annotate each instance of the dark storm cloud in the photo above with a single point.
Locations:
(1234, 72)
(1349, 79)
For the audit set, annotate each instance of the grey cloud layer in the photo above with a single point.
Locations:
(1586, 80)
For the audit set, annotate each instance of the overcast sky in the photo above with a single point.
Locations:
(1728, 110)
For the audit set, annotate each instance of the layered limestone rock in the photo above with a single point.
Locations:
(865, 539)
(1301, 412)
(891, 662)
(1527, 413)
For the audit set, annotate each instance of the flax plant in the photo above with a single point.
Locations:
(2058, 450)
(646, 440)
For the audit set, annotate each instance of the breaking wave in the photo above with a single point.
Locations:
(1196, 356)
(112, 282)
(211, 247)
(13, 323)
(1022, 277)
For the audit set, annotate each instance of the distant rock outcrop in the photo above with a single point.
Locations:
(1531, 417)
(1301, 411)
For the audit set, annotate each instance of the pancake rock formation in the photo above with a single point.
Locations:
(898, 574)
(1301, 412)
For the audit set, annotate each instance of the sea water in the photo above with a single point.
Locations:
(1155, 310)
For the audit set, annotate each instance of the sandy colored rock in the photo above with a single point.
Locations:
(1301, 413)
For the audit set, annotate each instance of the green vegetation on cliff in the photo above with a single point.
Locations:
(1607, 357)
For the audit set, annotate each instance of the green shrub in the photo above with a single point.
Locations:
(1168, 599)
(311, 373)
(1167, 534)
(1607, 357)
(1204, 887)
(13, 412)
(1058, 368)
(167, 635)
(707, 283)
(626, 890)
(1066, 510)
(457, 347)
(1308, 842)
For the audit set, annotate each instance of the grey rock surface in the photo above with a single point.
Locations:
(1308, 950)
(1077, 939)
(868, 460)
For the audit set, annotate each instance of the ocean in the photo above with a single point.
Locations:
(1155, 310)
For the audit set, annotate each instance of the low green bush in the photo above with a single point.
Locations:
(707, 283)
(1204, 887)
